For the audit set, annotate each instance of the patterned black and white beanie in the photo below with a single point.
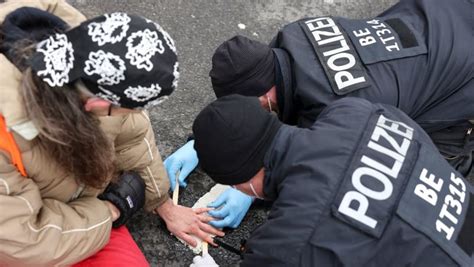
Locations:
(128, 60)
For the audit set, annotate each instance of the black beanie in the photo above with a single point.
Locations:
(27, 23)
(232, 135)
(242, 66)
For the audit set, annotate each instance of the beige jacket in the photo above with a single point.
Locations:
(47, 218)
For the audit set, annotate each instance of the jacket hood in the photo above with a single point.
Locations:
(11, 104)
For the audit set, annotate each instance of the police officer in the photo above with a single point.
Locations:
(416, 56)
(363, 186)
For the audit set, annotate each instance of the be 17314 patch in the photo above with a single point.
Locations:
(382, 39)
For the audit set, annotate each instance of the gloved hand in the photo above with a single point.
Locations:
(127, 194)
(203, 261)
(233, 207)
(184, 160)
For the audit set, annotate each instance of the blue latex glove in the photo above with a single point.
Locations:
(185, 160)
(233, 207)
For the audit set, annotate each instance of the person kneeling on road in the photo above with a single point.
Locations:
(416, 56)
(363, 186)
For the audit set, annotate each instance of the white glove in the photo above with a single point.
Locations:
(204, 261)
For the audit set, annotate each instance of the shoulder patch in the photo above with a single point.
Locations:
(377, 176)
(336, 54)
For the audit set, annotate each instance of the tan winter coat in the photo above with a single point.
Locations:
(48, 219)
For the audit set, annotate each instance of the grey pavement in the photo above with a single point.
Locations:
(198, 27)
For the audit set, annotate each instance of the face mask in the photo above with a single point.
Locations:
(269, 104)
(254, 192)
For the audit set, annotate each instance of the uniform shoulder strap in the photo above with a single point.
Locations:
(8, 144)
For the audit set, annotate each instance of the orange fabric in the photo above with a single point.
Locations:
(121, 251)
(7, 143)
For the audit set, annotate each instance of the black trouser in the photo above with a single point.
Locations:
(456, 144)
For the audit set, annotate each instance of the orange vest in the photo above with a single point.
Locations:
(7, 143)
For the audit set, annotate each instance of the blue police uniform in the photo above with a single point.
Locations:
(417, 56)
(363, 186)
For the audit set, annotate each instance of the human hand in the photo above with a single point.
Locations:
(204, 261)
(185, 160)
(127, 194)
(184, 222)
(113, 210)
(233, 207)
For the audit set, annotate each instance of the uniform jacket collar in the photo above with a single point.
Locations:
(284, 86)
(274, 159)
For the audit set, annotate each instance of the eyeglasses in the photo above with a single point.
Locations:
(111, 107)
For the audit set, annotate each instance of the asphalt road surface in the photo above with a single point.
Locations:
(198, 27)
